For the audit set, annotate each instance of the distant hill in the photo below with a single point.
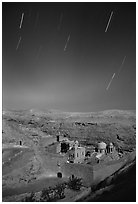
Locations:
(117, 126)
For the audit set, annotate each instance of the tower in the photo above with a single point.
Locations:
(111, 147)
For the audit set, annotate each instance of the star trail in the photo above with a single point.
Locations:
(72, 56)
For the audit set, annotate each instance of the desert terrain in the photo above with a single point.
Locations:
(30, 162)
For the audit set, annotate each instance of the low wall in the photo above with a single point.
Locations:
(83, 171)
(101, 171)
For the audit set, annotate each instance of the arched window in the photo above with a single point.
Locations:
(59, 175)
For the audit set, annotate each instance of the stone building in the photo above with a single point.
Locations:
(77, 154)
(102, 147)
(62, 147)
(110, 148)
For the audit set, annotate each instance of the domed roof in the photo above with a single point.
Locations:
(111, 144)
(101, 145)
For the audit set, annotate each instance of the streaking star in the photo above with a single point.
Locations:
(67, 43)
(110, 81)
(121, 65)
(108, 22)
(21, 22)
(18, 43)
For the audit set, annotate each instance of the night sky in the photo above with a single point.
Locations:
(61, 58)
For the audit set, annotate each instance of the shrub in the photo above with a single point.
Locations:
(45, 196)
(30, 198)
(75, 183)
(60, 191)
